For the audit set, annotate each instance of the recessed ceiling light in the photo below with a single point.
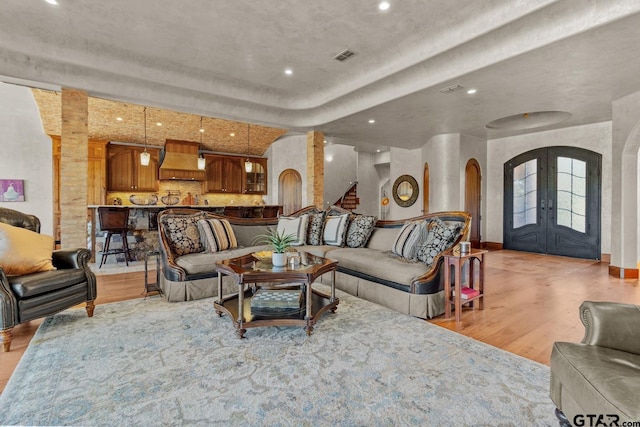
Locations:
(119, 119)
(232, 134)
(325, 141)
(384, 5)
(159, 124)
(471, 91)
(372, 121)
(377, 151)
(288, 71)
(201, 130)
(329, 158)
(53, 2)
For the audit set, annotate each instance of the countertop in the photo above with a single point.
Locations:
(175, 206)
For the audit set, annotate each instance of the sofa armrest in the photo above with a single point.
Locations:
(170, 269)
(611, 325)
(64, 259)
(8, 304)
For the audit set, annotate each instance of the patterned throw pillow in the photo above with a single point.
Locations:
(335, 228)
(294, 225)
(182, 233)
(411, 235)
(218, 234)
(315, 229)
(360, 230)
(439, 238)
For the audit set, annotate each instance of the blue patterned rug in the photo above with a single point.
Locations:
(149, 362)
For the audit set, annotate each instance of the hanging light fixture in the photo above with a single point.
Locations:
(145, 157)
(248, 164)
(202, 163)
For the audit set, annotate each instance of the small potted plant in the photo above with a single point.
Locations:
(279, 243)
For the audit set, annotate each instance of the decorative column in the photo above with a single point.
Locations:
(315, 168)
(73, 168)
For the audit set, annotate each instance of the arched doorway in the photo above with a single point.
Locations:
(425, 189)
(472, 196)
(290, 191)
(552, 199)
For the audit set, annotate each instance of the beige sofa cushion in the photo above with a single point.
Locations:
(321, 250)
(378, 264)
(382, 238)
(203, 262)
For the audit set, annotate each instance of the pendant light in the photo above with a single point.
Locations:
(248, 165)
(202, 163)
(145, 157)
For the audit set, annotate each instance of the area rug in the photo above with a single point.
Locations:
(150, 362)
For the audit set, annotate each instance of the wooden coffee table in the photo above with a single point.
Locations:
(249, 270)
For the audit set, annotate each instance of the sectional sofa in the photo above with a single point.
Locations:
(373, 270)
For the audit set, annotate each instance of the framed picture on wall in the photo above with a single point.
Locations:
(11, 190)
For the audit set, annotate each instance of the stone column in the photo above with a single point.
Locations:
(315, 168)
(73, 168)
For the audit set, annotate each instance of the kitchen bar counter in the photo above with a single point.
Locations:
(143, 224)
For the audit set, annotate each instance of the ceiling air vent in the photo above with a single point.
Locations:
(344, 55)
(451, 89)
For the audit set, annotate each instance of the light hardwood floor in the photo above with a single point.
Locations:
(531, 301)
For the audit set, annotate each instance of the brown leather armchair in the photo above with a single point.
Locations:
(31, 296)
(597, 381)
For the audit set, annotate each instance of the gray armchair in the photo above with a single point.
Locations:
(31, 296)
(597, 381)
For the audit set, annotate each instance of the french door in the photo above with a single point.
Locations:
(552, 202)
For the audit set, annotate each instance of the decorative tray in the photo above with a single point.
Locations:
(144, 199)
(263, 255)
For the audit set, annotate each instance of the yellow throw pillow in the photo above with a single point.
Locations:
(24, 251)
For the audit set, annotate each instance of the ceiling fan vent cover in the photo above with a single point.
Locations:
(451, 89)
(344, 55)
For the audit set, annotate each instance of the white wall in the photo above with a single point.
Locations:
(368, 184)
(288, 152)
(26, 153)
(338, 172)
(595, 137)
(625, 250)
(442, 153)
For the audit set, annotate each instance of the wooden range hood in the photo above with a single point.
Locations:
(179, 161)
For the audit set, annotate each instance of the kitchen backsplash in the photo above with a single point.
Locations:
(195, 188)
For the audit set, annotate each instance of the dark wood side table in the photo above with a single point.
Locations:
(454, 258)
(152, 287)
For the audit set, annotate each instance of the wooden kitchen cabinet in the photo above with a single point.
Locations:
(224, 174)
(125, 173)
(255, 181)
(97, 173)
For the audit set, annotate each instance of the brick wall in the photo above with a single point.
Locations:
(315, 168)
(73, 169)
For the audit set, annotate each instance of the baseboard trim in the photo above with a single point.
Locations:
(492, 246)
(606, 258)
(623, 273)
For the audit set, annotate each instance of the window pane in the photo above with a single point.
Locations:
(571, 193)
(525, 194)
(564, 165)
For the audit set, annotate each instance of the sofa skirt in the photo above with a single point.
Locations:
(424, 306)
(196, 289)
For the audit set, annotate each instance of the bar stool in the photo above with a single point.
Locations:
(114, 220)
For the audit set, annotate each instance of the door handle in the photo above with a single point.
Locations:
(550, 204)
(542, 204)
